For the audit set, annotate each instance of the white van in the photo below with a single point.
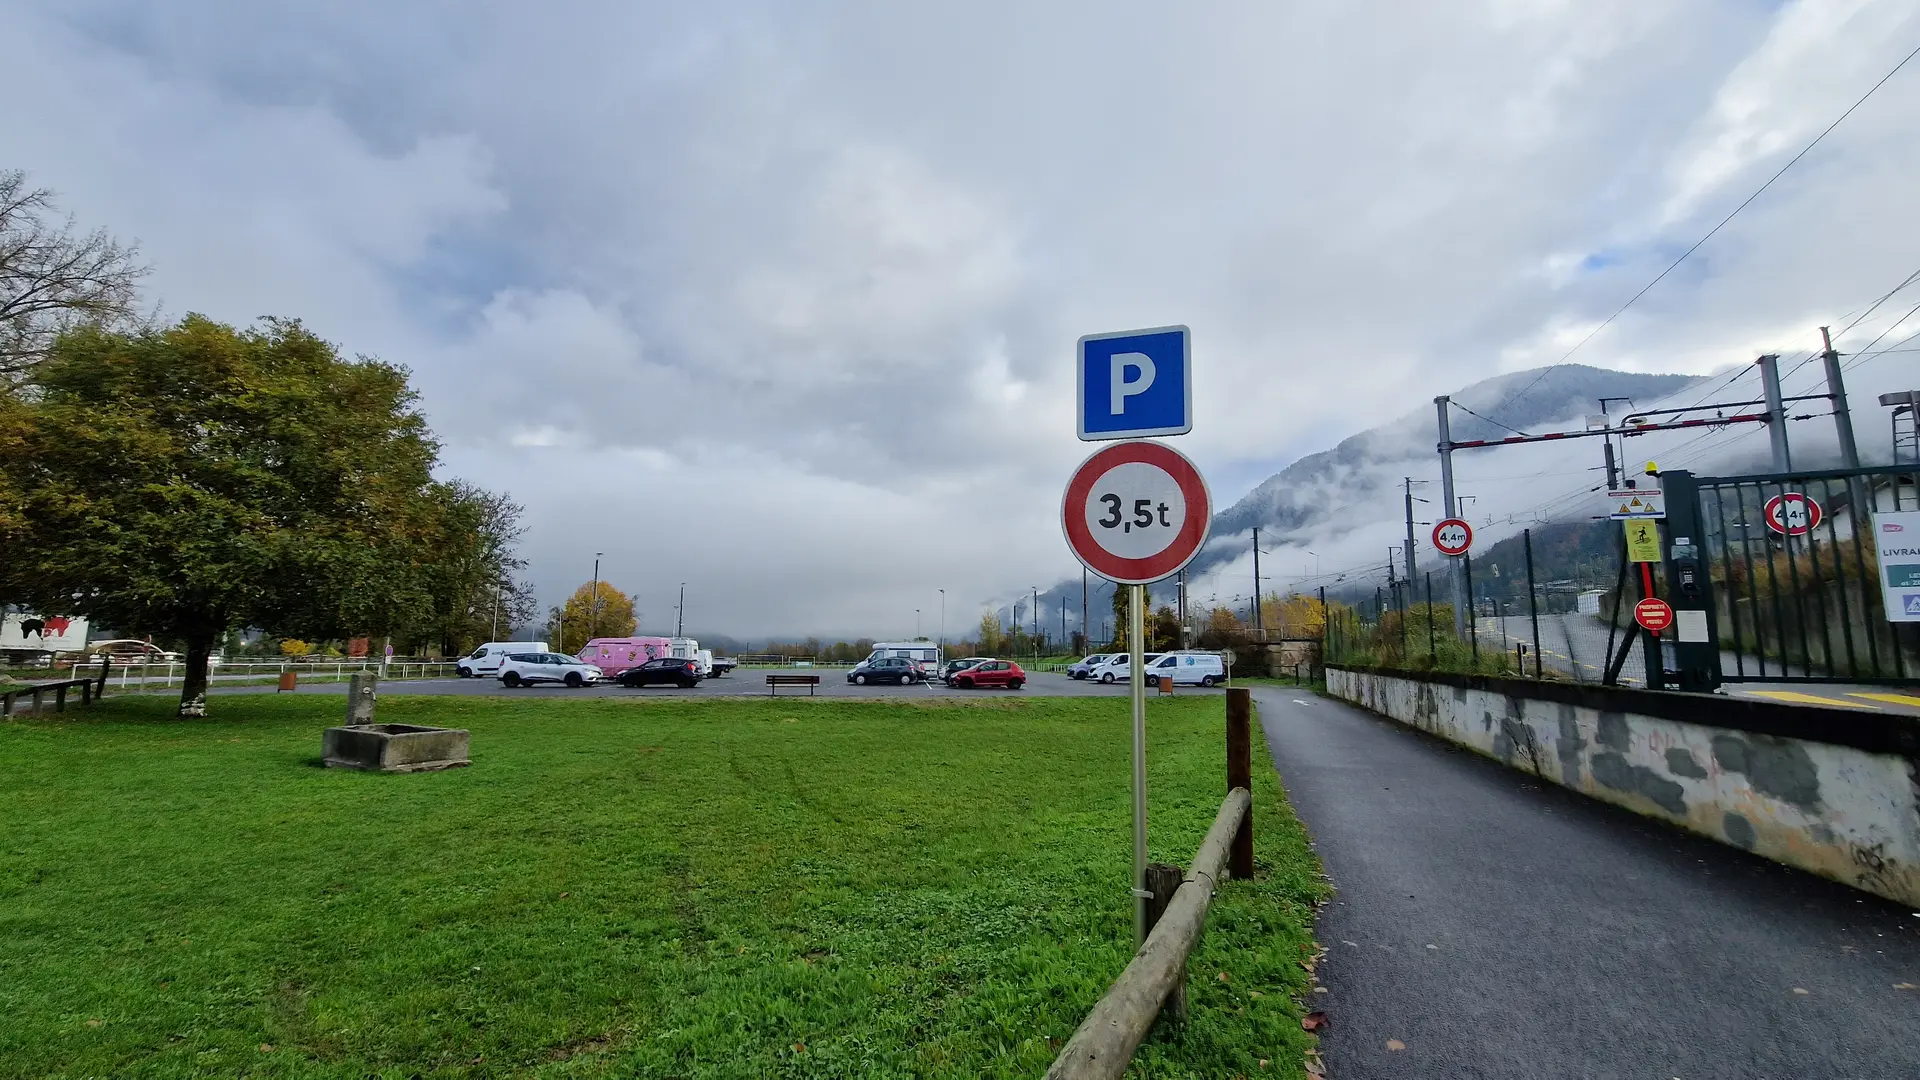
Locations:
(485, 660)
(1188, 669)
(704, 658)
(1117, 667)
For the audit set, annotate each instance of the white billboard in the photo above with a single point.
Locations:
(21, 632)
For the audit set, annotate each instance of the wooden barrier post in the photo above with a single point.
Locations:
(106, 668)
(1163, 880)
(1240, 775)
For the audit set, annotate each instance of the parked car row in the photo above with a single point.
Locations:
(679, 661)
(1187, 668)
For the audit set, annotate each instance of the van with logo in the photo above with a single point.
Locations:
(1187, 669)
(613, 655)
(484, 661)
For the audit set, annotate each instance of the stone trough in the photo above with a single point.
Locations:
(395, 748)
(363, 744)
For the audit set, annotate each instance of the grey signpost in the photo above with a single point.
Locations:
(1136, 511)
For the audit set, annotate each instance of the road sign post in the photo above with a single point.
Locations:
(1792, 513)
(1654, 615)
(1452, 537)
(1135, 384)
(1134, 513)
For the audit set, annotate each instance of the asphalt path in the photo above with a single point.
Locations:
(833, 683)
(1486, 925)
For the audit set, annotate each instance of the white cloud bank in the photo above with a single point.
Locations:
(779, 300)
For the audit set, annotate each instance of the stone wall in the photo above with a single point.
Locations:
(1829, 791)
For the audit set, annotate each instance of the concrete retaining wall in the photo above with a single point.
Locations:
(1829, 791)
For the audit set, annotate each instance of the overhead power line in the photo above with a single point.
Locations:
(1489, 420)
(1648, 287)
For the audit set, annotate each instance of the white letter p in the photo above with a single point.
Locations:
(1119, 387)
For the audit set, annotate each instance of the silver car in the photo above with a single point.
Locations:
(1085, 667)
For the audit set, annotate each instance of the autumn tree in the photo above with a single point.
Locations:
(1297, 616)
(186, 480)
(53, 277)
(991, 634)
(595, 610)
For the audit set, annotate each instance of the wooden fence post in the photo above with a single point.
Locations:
(1240, 774)
(1163, 880)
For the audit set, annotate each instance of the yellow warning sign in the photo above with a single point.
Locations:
(1643, 540)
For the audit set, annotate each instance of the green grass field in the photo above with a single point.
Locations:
(619, 888)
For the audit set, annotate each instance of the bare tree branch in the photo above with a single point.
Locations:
(53, 277)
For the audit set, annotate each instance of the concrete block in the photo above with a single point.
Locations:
(395, 748)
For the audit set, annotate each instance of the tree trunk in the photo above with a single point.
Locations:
(193, 691)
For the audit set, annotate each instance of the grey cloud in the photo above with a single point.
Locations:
(843, 249)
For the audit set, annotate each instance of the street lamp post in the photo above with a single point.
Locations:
(943, 624)
(593, 610)
(916, 624)
(1035, 613)
(680, 613)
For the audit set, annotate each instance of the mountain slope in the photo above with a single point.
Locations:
(1324, 498)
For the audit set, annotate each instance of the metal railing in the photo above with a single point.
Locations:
(1794, 565)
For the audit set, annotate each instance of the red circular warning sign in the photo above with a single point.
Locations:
(1792, 514)
(1452, 537)
(1136, 512)
(1653, 613)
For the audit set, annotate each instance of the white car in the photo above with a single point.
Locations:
(1117, 667)
(1188, 669)
(525, 669)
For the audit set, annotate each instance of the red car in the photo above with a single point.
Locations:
(992, 673)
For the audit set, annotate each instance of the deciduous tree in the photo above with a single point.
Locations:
(186, 480)
(53, 277)
(595, 610)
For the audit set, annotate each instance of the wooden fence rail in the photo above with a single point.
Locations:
(1104, 1044)
(1157, 978)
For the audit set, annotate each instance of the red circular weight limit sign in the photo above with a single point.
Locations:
(1653, 613)
(1452, 537)
(1136, 512)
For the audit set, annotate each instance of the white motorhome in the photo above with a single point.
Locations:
(484, 661)
(687, 648)
(925, 653)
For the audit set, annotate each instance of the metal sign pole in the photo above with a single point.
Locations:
(1137, 684)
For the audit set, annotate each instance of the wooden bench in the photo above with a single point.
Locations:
(775, 682)
(33, 692)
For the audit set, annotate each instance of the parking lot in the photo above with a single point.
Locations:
(833, 683)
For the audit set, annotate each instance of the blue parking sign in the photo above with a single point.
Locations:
(1136, 384)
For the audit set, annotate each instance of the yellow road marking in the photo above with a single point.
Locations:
(1891, 699)
(1805, 699)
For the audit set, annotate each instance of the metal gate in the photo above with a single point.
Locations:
(1794, 566)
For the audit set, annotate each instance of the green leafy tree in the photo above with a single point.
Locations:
(474, 578)
(1163, 630)
(185, 480)
(595, 610)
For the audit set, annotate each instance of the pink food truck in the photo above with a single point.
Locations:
(613, 655)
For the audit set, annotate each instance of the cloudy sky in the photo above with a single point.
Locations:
(779, 299)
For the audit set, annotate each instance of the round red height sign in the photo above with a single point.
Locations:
(1136, 512)
(1653, 613)
(1452, 537)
